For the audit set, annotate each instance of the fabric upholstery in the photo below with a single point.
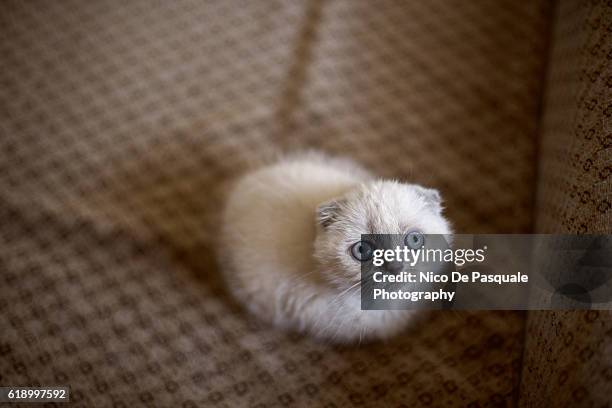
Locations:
(121, 123)
(568, 356)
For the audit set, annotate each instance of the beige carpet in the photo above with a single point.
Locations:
(120, 123)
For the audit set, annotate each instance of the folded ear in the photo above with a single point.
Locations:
(328, 212)
(432, 198)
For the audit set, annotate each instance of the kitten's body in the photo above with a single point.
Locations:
(289, 269)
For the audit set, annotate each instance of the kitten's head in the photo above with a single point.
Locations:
(377, 207)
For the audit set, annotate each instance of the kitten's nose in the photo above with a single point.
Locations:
(393, 267)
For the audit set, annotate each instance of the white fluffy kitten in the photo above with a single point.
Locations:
(287, 233)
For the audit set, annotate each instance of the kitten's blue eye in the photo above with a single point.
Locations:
(362, 251)
(414, 240)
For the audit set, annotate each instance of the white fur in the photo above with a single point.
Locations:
(289, 270)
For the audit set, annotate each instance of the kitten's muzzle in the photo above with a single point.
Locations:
(393, 267)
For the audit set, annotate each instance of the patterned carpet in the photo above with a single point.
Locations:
(122, 122)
